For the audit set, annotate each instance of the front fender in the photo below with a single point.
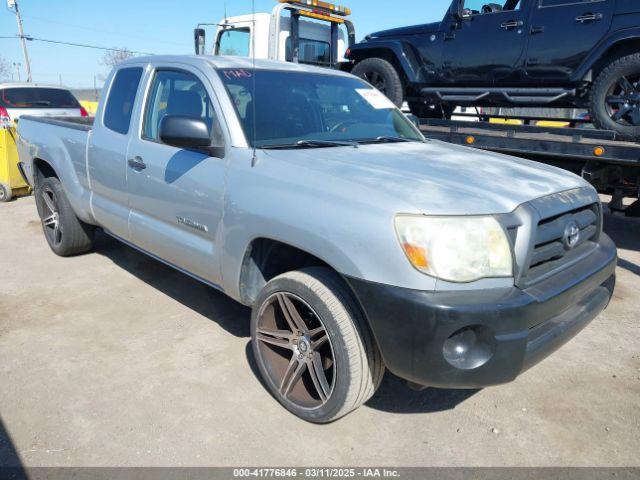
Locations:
(405, 54)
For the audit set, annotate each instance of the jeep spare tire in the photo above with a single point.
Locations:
(382, 75)
(615, 98)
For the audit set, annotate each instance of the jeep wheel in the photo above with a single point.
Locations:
(382, 75)
(312, 345)
(66, 234)
(615, 98)
(425, 110)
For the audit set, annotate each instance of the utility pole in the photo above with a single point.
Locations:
(13, 4)
(17, 65)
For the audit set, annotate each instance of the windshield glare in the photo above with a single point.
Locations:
(294, 106)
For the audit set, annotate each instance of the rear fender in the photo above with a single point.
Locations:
(64, 150)
(606, 50)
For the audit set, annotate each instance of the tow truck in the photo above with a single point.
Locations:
(297, 31)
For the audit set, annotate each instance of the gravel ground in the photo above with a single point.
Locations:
(114, 359)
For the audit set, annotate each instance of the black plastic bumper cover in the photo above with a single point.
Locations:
(412, 327)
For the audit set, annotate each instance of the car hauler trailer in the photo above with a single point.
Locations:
(298, 31)
(611, 165)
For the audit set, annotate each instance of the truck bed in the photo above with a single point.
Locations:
(77, 123)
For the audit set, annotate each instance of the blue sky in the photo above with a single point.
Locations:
(155, 26)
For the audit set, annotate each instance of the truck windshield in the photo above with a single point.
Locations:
(35, 97)
(284, 108)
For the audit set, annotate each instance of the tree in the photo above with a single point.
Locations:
(111, 58)
(5, 69)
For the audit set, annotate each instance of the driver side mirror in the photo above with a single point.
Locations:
(199, 40)
(455, 10)
(190, 133)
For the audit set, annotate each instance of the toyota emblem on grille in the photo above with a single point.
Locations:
(571, 235)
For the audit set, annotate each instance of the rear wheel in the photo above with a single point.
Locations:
(66, 234)
(382, 75)
(5, 193)
(615, 98)
(313, 346)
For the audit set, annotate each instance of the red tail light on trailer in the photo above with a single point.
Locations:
(83, 112)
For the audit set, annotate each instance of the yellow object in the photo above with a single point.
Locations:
(470, 140)
(10, 178)
(319, 16)
(90, 107)
(505, 121)
(598, 151)
(337, 9)
(552, 124)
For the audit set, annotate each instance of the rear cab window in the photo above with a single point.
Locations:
(234, 41)
(122, 97)
(37, 97)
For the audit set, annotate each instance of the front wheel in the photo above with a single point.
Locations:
(313, 346)
(615, 98)
(381, 74)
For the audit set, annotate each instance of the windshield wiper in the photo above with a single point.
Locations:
(310, 144)
(388, 139)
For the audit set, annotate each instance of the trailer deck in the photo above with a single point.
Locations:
(611, 165)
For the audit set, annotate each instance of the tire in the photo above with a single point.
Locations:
(383, 75)
(322, 301)
(5, 193)
(615, 98)
(65, 233)
(424, 110)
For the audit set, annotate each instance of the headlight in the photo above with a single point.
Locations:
(457, 249)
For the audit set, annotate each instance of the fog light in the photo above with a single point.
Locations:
(469, 347)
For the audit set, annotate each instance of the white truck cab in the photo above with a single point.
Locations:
(316, 39)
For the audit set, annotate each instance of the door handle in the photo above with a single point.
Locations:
(536, 30)
(137, 164)
(449, 36)
(589, 17)
(511, 24)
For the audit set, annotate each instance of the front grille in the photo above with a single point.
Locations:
(549, 252)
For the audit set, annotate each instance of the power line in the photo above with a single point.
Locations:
(83, 45)
(91, 29)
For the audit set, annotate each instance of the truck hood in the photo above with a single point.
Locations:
(434, 178)
(403, 31)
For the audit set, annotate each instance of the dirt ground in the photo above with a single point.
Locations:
(114, 359)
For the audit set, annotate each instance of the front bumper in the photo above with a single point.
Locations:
(472, 339)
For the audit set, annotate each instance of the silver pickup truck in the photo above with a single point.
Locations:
(305, 194)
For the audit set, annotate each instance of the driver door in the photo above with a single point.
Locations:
(176, 195)
(486, 46)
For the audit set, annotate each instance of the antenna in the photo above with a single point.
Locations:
(254, 159)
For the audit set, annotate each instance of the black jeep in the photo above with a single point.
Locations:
(560, 53)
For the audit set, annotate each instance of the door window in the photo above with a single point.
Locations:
(117, 115)
(178, 93)
(477, 7)
(234, 42)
